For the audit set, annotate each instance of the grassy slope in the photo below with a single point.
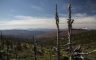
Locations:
(86, 39)
(88, 42)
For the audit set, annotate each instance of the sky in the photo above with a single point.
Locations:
(34, 14)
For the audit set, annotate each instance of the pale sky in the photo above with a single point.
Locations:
(26, 14)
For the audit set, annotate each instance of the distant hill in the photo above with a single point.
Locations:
(41, 33)
(23, 33)
(86, 38)
(52, 34)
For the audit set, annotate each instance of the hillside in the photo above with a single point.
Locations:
(22, 48)
(62, 33)
(27, 34)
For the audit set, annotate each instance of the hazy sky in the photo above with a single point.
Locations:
(26, 14)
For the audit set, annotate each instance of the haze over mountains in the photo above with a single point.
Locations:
(37, 32)
(25, 33)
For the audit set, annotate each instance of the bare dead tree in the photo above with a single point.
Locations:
(72, 52)
(35, 48)
(57, 24)
(2, 42)
(70, 21)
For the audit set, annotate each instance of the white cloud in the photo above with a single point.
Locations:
(85, 21)
(25, 22)
(80, 21)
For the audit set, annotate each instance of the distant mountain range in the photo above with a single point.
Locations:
(25, 33)
(62, 33)
(41, 33)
